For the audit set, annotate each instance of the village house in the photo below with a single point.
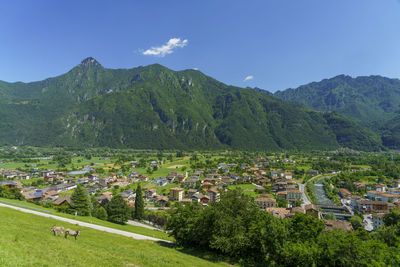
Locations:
(295, 210)
(394, 191)
(290, 195)
(161, 200)
(380, 188)
(377, 220)
(176, 193)
(128, 195)
(206, 186)
(149, 193)
(160, 181)
(371, 206)
(34, 195)
(279, 212)
(11, 184)
(180, 178)
(213, 181)
(204, 200)
(51, 195)
(287, 175)
(46, 173)
(283, 185)
(213, 194)
(344, 193)
(380, 196)
(104, 198)
(196, 197)
(312, 210)
(62, 201)
(227, 180)
(191, 192)
(190, 183)
(265, 201)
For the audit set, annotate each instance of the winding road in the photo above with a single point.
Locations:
(89, 225)
(304, 197)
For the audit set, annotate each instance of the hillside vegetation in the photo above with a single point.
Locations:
(372, 101)
(155, 107)
(26, 240)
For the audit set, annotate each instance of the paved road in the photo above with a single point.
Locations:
(89, 225)
(135, 223)
(304, 196)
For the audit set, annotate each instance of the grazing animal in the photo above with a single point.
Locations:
(57, 229)
(72, 233)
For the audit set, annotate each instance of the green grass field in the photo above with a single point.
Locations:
(26, 240)
(128, 228)
(243, 186)
(248, 189)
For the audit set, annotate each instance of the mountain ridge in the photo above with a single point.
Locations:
(155, 107)
(373, 101)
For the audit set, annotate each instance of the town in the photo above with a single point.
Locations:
(345, 189)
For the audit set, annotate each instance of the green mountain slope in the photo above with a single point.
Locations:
(155, 107)
(373, 101)
(367, 99)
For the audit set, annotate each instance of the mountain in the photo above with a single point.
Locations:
(155, 107)
(366, 99)
(372, 101)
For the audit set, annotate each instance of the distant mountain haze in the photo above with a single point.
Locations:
(156, 108)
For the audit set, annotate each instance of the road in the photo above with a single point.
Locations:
(304, 198)
(135, 223)
(89, 225)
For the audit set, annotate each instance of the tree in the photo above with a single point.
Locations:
(117, 210)
(139, 204)
(281, 202)
(100, 213)
(356, 222)
(305, 227)
(80, 201)
(330, 216)
(392, 218)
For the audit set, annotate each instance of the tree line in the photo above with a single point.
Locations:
(237, 228)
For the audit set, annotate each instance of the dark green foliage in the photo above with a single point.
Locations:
(81, 201)
(100, 213)
(11, 193)
(154, 107)
(281, 203)
(392, 218)
(117, 210)
(372, 101)
(139, 204)
(356, 222)
(237, 228)
(305, 227)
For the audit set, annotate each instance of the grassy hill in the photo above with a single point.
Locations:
(26, 240)
(155, 107)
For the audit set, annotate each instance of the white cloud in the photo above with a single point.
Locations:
(250, 77)
(166, 49)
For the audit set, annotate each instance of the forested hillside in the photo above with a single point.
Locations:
(372, 101)
(155, 107)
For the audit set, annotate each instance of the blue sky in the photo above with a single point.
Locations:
(277, 44)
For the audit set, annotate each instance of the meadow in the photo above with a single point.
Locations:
(88, 219)
(26, 240)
